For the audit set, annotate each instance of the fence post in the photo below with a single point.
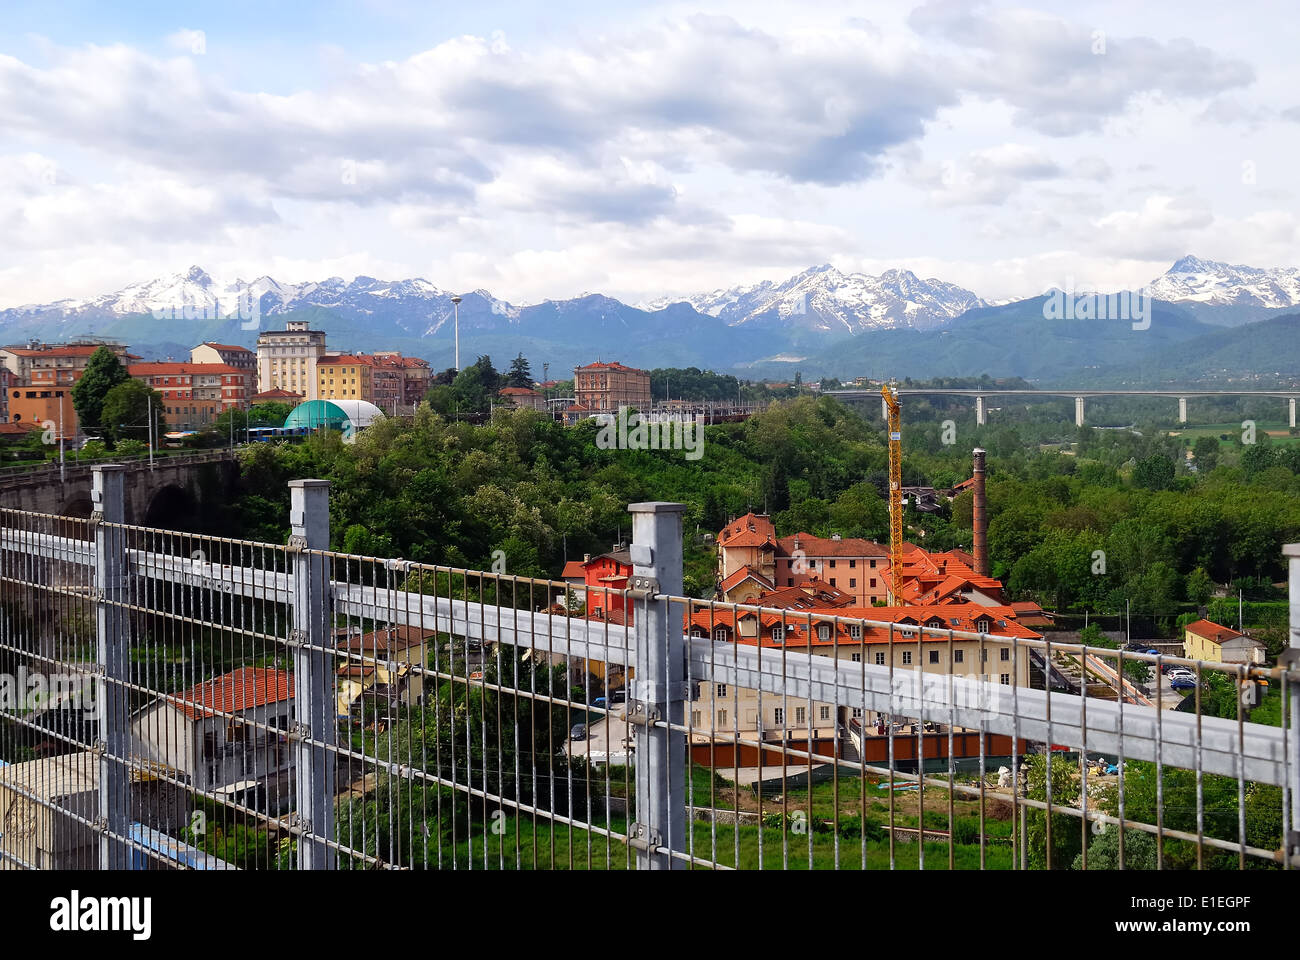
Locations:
(113, 650)
(1290, 659)
(658, 690)
(313, 688)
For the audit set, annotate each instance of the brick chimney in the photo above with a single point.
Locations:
(980, 517)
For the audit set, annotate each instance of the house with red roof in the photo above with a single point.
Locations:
(227, 731)
(1209, 641)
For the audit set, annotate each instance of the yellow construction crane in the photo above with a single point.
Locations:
(895, 491)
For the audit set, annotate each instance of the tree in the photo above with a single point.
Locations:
(1155, 472)
(1206, 452)
(520, 375)
(1199, 587)
(125, 412)
(1066, 839)
(103, 372)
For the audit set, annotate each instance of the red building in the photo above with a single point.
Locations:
(611, 572)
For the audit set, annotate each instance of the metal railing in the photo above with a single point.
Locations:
(185, 701)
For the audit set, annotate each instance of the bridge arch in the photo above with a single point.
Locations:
(172, 506)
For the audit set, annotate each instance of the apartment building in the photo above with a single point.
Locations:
(241, 358)
(194, 394)
(345, 377)
(286, 359)
(39, 378)
(604, 387)
(415, 375)
(797, 632)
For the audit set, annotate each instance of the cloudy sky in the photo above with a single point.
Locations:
(545, 150)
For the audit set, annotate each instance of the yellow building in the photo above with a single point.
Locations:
(1206, 640)
(345, 377)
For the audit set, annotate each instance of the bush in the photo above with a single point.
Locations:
(966, 831)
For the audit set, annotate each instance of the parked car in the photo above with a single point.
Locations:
(1183, 683)
(599, 702)
(618, 696)
(579, 732)
(1182, 672)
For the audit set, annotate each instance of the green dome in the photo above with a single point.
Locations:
(315, 414)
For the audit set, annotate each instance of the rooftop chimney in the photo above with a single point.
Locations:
(980, 517)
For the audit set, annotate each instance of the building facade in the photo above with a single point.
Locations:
(241, 358)
(286, 359)
(604, 387)
(345, 377)
(194, 394)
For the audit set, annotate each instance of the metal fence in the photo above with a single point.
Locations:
(172, 700)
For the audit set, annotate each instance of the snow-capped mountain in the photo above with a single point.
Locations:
(1209, 282)
(826, 300)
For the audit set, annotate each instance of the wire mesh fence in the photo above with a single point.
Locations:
(179, 701)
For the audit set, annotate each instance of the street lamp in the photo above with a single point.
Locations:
(455, 305)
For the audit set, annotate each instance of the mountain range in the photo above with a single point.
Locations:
(820, 321)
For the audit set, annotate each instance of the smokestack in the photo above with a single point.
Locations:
(980, 517)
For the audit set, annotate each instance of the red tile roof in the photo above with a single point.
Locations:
(163, 368)
(1211, 631)
(610, 366)
(519, 392)
(225, 346)
(18, 429)
(235, 692)
(574, 569)
(824, 547)
(744, 573)
(277, 394)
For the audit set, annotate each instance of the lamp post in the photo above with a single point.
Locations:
(455, 305)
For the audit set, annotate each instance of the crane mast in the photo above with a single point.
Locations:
(895, 491)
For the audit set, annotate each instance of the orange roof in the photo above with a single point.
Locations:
(56, 351)
(609, 366)
(360, 358)
(519, 392)
(1213, 632)
(398, 638)
(574, 569)
(963, 617)
(18, 429)
(163, 368)
(276, 394)
(235, 692)
(825, 547)
(225, 346)
(744, 573)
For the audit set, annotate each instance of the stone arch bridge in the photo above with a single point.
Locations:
(156, 495)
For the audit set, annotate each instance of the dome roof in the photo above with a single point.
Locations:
(333, 414)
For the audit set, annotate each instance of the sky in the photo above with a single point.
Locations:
(541, 151)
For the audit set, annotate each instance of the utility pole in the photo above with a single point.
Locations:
(455, 305)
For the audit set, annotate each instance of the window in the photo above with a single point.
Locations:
(800, 714)
(695, 718)
(958, 656)
(852, 583)
(789, 581)
(852, 564)
(832, 581)
(823, 631)
(1005, 678)
(873, 583)
(873, 564)
(824, 712)
(779, 716)
(857, 713)
(778, 632)
(855, 631)
(722, 689)
(1004, 653)
(722, 718)
(832, 567)
(857, 658)
(720, 634)
(934, 656)
(982, 625)
(907, 657)
(880, 659)
(984, 656)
